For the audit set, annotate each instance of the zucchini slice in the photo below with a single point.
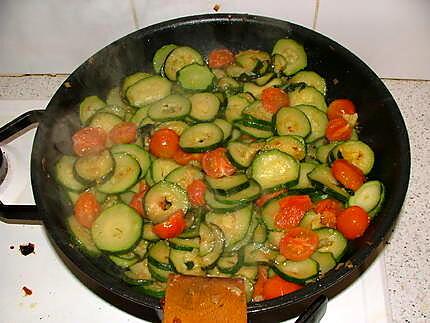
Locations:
(204, 106)
(318, 121)
(236, 104)
(138, 153)
(242, 155)
(226, 127)
(220, 207)
(138, 274)
(186, 262)
(64, 173)
(228, 184)
(293, 53)
(117, 229)
(89, 106)
(148, 90)
(295, 271)
(160, 57)
(255, 112)
(201, 137)
(158, 255)
(325, 260)
(253, 130)
(94, 169)
(196, 77)
(179, 58)
(132, 79)
(164, 199)
(369, 197)
(274, 169)
(308, 96)
(292, 121)
(184, 244)
(324, 150)
(231, 263)
(323, 179)
(105, 120)
(257, 253)
(331, 240)
(356, 152)
(177, 126)
(162, 167)
(304, 186)
(212, 243)
(82, 236)
(269, 212)
(311, 220)
(172, 107)
(184, 176)
(246, 195)
(292, 145)
(310, 78)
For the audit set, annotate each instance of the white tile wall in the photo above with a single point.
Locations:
(53, 36)
(391, 36)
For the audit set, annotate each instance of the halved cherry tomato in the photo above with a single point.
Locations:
(258, 293)
(87, 209)
(347, 174)
(292, 210)
(171, 228)
(338, 108)
(123, 133)
(276, 287)
(219, 58)
(89, 140)
(338, 129)
(298, 244)
(274, 98)
(137, 199)
(267, 197)
(183, 158)
(353, 222)
(328, 209)
(196, 192)
(164, 143)
(216, 164)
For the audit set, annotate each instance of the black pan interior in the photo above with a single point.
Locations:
(347, 77)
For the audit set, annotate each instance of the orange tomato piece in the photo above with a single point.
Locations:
(89, 140)
(338, 108)
(328, 210)
(172, 227)
(164, 143)
(267, 197)
(219, 58)
(216, 164)
(196, 192)
(274, 98)
(258, 293)
(347, 174)
(86, 209)
(276, 287)
(298, 244)
(137, 199)
(123, 133)
(338, 130)
(183, 158)
(292, 210)
(353, 222)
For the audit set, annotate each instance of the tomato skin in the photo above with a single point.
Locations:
(338, 130)
(171, 228)
(196, 192)
(267, 197)
(298, 244)
(89, 140)
(347, 174)
(273, 99)
(164, 143)
(328, 209)
(183, 158)
(219, 58)
(353, 222)
(258, 293)
(86, 209)
(137, 200)
(292, 210)
(338, 108)
(123, 133)
(276, 287)
(216, 164)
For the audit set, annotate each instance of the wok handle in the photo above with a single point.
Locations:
(14, 128)
(23, 214)
(315, 311)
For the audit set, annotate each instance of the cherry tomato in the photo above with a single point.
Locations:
(273, 99)
(298, 244)
(347, 174)
(216, 164)
(89, 140)
(196, 192)
(87, 209)
(267, 197)
(338, 129)
(164, 143)
(123, 133)
(171, 228)
(353, 222)
(292, 210)
(258, 293)
(328, 209)
(219, 58)
(137, 199)
(183, 158)
(338, 108)
(276, 287)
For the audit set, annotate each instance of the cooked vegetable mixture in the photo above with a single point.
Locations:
(232, 166)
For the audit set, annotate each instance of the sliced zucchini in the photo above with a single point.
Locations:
(318, 121)
(293, 53)
(322, 177)
(236, 104)
(148, 234)
(279, 62)
(164, 199)
(304, 185)
(138, 274)
(138, 153)
(158, 255)
(186, 262)
(308, 96)
(295, 271)
(141, 249)
(324, 150)
(148, 90)
(64, 173)
(264, 79)
(193, 218)
(184, 244)
(123, 263)
(269, 212)
(140, 115)
(246, 195)
(132, 79)
(356, 152)
(179, 58)
(155, 289)
(292, 145)
(274, 169)
(201, 137)
(311, 220)
(274, 238)
(257, 113)
(226, 127)
(310, 78)
(177, 126)
(228, 184)
(196, 77)
(242, 155)
(325, 260)
(160, 57)
(260, 233)
(256, 90)
(162, 167)
(331, 240)
(231, 263)
(204, 106)
(229, 85)
(125, 175)
(82, 236)
(172, 107)
(252, 130)
(369, 197)
(117, 229)
(89, 106)
(257, 253)
(94, 169)
(212, 243)
(185, 175)
(292, 121)
(105, 120)
(220, 207)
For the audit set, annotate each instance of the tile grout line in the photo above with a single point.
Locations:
(134, 14)
(317, 7)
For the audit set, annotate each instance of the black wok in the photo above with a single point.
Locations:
(347, 76)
